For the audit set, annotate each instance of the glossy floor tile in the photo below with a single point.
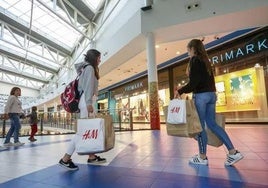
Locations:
(145, 159)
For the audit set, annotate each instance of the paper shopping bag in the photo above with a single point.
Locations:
(109, 132)
(192, 126)
(95, 135)
(90, 136)
(213, 140)
(176, 112)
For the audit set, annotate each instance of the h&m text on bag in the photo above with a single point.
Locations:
(90, 134)
(175, 110)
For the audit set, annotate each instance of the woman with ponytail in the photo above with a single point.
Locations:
(88, 87)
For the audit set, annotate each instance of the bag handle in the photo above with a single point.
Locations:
(92, 115)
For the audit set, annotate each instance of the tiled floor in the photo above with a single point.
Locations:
(146, 159)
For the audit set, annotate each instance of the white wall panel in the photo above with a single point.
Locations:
(122, 36)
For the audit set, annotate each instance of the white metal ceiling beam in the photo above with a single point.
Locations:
(12, 54)
(18, 68)
(28, 38)
(73, 25)
(18, 80)
(22, 26)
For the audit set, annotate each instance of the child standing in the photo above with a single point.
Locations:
(33, 123)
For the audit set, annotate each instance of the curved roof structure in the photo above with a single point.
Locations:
(38, 37)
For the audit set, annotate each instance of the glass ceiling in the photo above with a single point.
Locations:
(37, 37)
(43, 19)
(93, 4)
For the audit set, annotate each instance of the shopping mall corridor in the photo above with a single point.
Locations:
(140, 159)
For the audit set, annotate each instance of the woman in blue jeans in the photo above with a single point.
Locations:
(202, 84)
(13, 110)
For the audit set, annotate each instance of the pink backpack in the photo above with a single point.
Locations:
(71, 96)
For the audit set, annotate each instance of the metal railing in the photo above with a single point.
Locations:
(65, 123)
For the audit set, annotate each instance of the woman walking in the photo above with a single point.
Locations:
(13, 111)
(88, 85)
(202, 84)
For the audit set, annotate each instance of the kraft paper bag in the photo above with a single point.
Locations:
(191, 128)
(94, 135)
(109, 132)
(213, 140)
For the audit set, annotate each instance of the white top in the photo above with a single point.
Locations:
(13, 105)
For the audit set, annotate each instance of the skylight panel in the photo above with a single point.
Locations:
(44, 21)
(35, 49)
(93, 4)
(15, 11)
(6, 3)
(21, 9)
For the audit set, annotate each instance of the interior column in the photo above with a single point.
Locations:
(152, 82)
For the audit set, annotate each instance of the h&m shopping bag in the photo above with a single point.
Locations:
(176, 112)
(94, 135)
(189, 129)
(213, 140)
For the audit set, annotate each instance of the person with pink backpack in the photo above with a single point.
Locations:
(88, 88)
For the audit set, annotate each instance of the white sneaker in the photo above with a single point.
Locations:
(2, 148)
(198, 160)
(18, 143)
(232, 159)
(8, 144)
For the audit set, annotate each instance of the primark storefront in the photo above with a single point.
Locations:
(240, 62)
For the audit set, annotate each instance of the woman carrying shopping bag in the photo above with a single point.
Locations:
(88, 85)
(202, 84)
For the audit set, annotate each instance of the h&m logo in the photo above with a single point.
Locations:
(90, 134)
(175, 110)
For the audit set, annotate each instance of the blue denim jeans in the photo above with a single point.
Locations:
(14, 127)
(205, 105)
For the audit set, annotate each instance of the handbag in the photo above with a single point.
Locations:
(192, 126)
(94, 135)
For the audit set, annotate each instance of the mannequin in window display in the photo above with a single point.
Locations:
(161, 105)
(125, 112)
(142, 109)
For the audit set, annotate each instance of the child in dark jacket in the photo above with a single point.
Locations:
(33, 122)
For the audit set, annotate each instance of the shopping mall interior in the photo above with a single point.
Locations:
(143, 45)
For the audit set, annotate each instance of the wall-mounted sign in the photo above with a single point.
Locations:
(134, 86)
(102, 96)
(240, 51)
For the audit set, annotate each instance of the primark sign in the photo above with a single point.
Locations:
(134, 86)
(247, 49)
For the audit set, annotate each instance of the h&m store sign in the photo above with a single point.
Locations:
(241, 51)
